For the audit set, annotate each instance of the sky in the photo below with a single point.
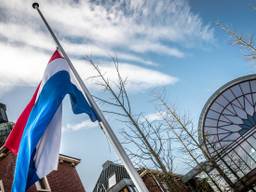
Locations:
(166, 44)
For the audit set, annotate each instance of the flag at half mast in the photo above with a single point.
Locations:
(35, 137)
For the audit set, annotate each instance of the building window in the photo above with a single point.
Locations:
(112, 181)
(1, 186)
(43, 185)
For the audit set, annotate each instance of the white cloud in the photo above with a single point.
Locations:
(122, 23)
(23, 34)
(156, 47)
(126, 29)
(155, 116)
(93, 50)
(81, 125)
(138, 78)
(25, 66)
(17, 33)
(21, 65)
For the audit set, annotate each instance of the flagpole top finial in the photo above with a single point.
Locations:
(35, 5)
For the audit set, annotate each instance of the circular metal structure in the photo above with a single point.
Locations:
(229, 116)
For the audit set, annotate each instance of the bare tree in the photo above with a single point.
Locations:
(153, 140)
(246, 43)
(183, 130)
(152, 144)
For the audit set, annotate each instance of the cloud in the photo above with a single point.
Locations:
(130, 30)
(156, 47)
(155, 116)
(20, 69)
(138, 78)
(117, 23)
(79, 126)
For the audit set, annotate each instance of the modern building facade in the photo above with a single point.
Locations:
(65, 179)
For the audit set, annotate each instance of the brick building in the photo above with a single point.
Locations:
(65, 179)
(114, 178)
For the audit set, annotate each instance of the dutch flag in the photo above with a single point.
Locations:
(35, 138)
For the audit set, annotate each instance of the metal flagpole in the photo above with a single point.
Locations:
(103, 122)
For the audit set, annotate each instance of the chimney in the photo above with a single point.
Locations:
(5, 126)
(3, 115)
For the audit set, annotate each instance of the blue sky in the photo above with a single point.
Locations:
(167, 44)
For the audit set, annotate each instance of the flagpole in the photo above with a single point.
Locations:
(103, 122)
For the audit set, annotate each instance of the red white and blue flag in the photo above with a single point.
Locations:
(35, 138)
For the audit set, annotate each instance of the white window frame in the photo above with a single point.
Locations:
(112, 181)
(45, 188)
(1, 186)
